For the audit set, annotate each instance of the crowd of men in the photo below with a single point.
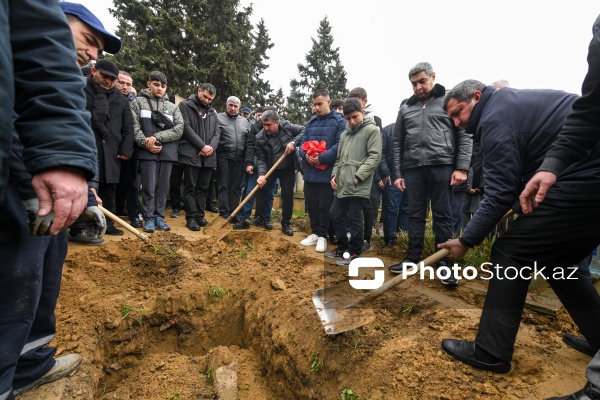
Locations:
(347, 158)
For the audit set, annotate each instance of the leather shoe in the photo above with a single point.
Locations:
(398, 268)
(192, 225)
(111, 230)
(469, 353)
(211, 208)
(201, 222)
(135, 222)
(287, 229)
(580, 344)
(589, 392)
(268, 225)
(242, 225)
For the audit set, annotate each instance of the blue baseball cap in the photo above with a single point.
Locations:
(112, 44)
(246, 110)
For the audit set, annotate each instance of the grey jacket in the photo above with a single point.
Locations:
(234, 135)
(425, 136)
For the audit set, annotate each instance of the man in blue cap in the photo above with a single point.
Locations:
(43, 190)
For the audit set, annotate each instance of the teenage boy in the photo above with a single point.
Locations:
(158, 125)
(358, 156)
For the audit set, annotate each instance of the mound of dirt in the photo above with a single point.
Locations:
(162, 320)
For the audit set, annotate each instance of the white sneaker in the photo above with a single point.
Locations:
(321, 245)
(310, 240)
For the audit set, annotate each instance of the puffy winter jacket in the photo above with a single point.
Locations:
(425, 136)
(143, 126)
(359, 153)
(328, 128)
(200, 129)
(234, 135)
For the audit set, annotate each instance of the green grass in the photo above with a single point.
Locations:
(316, 364)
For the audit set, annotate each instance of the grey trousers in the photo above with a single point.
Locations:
(155, 186)
(592, 373)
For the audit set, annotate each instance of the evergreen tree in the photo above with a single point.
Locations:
(191, 41)
(323, 70)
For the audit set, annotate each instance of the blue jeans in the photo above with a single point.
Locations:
(269, 195)
(432, 182)
(392, 196)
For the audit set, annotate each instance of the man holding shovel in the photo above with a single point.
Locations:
(276, 139)
(515, 128)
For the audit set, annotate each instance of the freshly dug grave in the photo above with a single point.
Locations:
(156, 320)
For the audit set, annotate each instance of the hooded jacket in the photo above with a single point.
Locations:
(233, 137)
(425, 136)
(143, 126)
(359, 153)
(200, 129)
(515, 128)
(328, 128)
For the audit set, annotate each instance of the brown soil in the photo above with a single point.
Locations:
(155, 320)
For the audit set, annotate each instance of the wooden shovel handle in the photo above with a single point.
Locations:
(123, 223)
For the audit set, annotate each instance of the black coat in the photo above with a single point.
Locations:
(120, 139)
(265, 158)
(201, 128)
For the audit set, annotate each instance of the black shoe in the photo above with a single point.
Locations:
(111, 230)
(84, 239)
(589, 392)
(211, 208)
(450, 281)
(389, 243)
(235, 219)
(242, 225)
(469, 353)
(192, 225)
(580, 344)
(398, 268)
(175, 214)
(366, 247)
(268, 225)
(201, 222)
(346, 261)
(335, 253)
(287, 229)
(135, 222)
(333, 239)
(258, 221)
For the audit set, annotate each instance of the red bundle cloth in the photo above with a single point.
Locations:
(312, 148)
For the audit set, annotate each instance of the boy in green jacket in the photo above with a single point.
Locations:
(359, 153)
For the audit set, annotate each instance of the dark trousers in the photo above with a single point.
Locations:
(432, 182)
(318, 198)
(270, 197)
(175, 186)
(212, 198)
(352, 209)
(196, 181)
(535, 237)
(107, 192)
(230, 180)
(29, 285)
(155, 185)
(457, 206)
(128, 188)
(287, 180)
(370, 209)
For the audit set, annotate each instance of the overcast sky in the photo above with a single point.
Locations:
(532, 44)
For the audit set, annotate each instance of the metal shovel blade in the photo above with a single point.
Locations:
(330, 302)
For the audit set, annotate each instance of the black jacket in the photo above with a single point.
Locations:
(580, 134)
(119, 141)
(288, 132)
(425, 136)
(201, 128)
(234, 135)
(515, 128)
(386, 164)
(52, 123)
(251, 144)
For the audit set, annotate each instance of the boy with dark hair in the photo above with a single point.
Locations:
(358, 156)
(158, 125)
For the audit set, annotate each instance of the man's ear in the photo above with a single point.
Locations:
(433, 76)
(148, 83)
(477, 96)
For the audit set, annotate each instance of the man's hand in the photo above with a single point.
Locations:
(261, 181)
(63, 189)
(334, 184)
(120, 157)
(399, 183)
(458, 177)
(385, 181)
(150, 145)
(312, 160)
(473, 191)
(249, 169)
(290, 148)
(535, 190)
(456, 249)
(38, 225)
(95, 222)
(207, 150)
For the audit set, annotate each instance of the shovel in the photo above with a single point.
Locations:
(336, 305)
(123, 223)
(215, 226)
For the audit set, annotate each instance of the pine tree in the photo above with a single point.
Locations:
(191, 41)
(323, 70)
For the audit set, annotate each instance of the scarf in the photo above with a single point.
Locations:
(100, 110)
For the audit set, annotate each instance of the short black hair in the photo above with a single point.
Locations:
(352, 104)
(210, 88)
(337, 103)
(157, 76)
(320, 92)
(358, 93)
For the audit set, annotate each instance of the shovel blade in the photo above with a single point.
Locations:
(330, 302)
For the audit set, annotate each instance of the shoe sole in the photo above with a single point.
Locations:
(87, 243)
(342, 263)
